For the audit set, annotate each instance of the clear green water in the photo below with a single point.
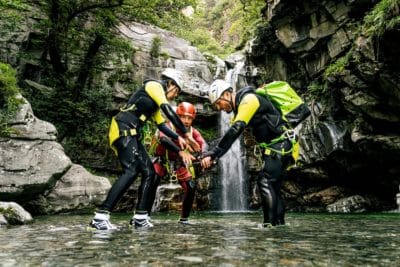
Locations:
(213, 240)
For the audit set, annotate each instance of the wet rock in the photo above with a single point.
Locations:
(326, 196)
(169, 197)
(355, 203)
(77, 188)
(12, 213)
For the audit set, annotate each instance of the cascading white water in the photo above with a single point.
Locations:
(233, 175)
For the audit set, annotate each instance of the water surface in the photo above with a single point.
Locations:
(215, 239)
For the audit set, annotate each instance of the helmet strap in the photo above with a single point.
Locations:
(169, 83)
(231, 101)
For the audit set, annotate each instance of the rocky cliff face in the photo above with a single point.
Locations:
(350, 145)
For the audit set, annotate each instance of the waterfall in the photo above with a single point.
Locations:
(233, 174)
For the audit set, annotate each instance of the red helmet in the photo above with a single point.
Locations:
(186, 108)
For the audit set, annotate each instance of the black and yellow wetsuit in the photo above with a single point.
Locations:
(125, 139)
(266, 124)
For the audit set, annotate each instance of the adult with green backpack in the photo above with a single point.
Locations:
(271, 117)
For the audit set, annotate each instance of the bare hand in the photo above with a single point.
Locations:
(186, 157)
(182, 143)
(193, 145)
(206, 162)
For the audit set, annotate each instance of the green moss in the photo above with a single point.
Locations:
(9, 102)
(316, 88)
(10, 215)
(384, 17)
(208, 133)
(164, 55)
(155, 47)
(337, 67)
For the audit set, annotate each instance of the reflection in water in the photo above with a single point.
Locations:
(213, 240)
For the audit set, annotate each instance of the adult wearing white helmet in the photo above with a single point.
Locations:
(221, 92)
(268, 127)
(125, 139)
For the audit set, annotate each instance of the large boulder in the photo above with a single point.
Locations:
(36, 173)
(172, 52)
(77, 188)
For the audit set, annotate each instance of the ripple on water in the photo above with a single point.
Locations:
(213, 240)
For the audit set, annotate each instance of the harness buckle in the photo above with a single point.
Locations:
(290, 135)
(130, 132)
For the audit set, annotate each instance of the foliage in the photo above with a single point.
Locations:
(338, 66)
(9, 102)
(76, 43)
(316, 88)
(79, 43)
(155, 47)
(384, 17)
(11, 14)
(220, 27)
(208, 133)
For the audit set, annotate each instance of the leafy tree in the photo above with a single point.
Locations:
(78, 39)
(220, 27)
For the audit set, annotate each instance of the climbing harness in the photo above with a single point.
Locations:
(132, 108)
(290, 135)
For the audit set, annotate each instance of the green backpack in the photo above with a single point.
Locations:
(285, 99)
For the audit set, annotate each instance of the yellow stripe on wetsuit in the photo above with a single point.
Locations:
(156, 92)
(247, 108)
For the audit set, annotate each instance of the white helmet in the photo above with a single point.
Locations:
(175, 75)
(217, 88)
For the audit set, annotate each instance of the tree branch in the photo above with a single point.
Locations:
(93, 6)
(87, 65)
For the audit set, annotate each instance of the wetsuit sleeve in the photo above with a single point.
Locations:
(156, 92)
(169, 144)
(227, 140)
(167, 131)
(248, 106)
(158, 118)
(174, 119)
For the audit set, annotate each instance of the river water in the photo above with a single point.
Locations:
(214, 239)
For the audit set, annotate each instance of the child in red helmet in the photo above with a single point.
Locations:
(168, 150)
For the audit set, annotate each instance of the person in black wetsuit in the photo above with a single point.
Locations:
(125, 139)
(268, 127)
